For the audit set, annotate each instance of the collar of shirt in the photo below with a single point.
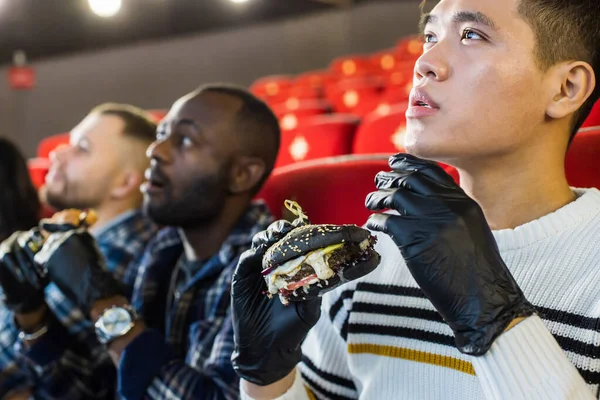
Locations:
(116, 222)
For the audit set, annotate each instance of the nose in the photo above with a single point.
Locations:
(433, 64)
(160, 150)
(59, 154)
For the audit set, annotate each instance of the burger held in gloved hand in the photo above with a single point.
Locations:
(71, 259)
(299, 262)
(449, 249)
(312, 260)
(22, 278)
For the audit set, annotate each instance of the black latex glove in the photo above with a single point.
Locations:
(449, 249)
(22, 285)
(268, 334)
(74, 263)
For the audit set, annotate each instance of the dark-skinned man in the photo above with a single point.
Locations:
(212, 153)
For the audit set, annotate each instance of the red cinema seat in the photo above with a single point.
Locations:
(157, 114)
(272, 88)
(38, 168)
(293, 111)
(399, 76)
(314, 79)
(50, 143)
(329, 190)
(355, 97)
(351, 66)
(317, 137)
(582, 163)
(410, 48)
(594, 118)
(385, 61)
(382, 131)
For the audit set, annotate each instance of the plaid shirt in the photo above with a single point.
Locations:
(56, 368)
(192, 341)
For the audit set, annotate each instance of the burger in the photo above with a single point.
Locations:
(314, 259)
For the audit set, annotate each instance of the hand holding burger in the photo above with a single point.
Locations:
(300, 262)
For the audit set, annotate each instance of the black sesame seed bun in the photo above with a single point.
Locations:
(307, 238)
(302, 240)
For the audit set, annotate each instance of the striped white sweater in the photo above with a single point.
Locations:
(380, 338)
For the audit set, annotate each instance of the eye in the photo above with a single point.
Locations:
(429, 38)
(186, 142)
(469, 34)
(161, 133)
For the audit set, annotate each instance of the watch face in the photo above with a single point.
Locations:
(116, 321)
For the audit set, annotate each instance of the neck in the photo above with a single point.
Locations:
(513, 190)
(108, 212)
(205, 240)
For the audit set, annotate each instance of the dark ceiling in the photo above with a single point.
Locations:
(45, 28)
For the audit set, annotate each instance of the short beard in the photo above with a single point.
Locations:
(201, 203)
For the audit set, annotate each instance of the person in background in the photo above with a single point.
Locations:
(19, 203)
(102, 169)
(19, 206)
(174, 339)
(456, 310)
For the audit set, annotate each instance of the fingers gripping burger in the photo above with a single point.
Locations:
(314, 259)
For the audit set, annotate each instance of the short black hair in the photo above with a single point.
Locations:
(138, 123)
(567, 30)
(257, 122)
(20, 205)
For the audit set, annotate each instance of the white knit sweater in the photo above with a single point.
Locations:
(380, 338)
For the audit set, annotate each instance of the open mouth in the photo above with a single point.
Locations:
(422, 104)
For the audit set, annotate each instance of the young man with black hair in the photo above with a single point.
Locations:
(101, 168)
(456, 310)
(174, 339)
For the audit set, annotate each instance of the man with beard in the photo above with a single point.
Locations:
(101, 169)
(212, 153)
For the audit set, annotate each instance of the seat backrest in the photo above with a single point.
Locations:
(317, 137)
(410, 48)
(292, 112)
(351, 66)
(329, 190)
(358, 98)
(38, 168)
(594, 118)
(382, 131)
(582, 163)
(50, 143)
(157, 113)
(272, 88)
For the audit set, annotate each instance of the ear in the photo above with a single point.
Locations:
(127, 182)
(246, 172)
(575, 82)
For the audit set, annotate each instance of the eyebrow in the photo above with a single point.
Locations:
(181, 122)
(459, 18)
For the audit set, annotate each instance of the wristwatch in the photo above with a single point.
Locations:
(115, 322)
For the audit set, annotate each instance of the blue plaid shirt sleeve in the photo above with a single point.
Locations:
(160, 375)
(78, 368)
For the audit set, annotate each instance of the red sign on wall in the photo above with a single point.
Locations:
(21, 78)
